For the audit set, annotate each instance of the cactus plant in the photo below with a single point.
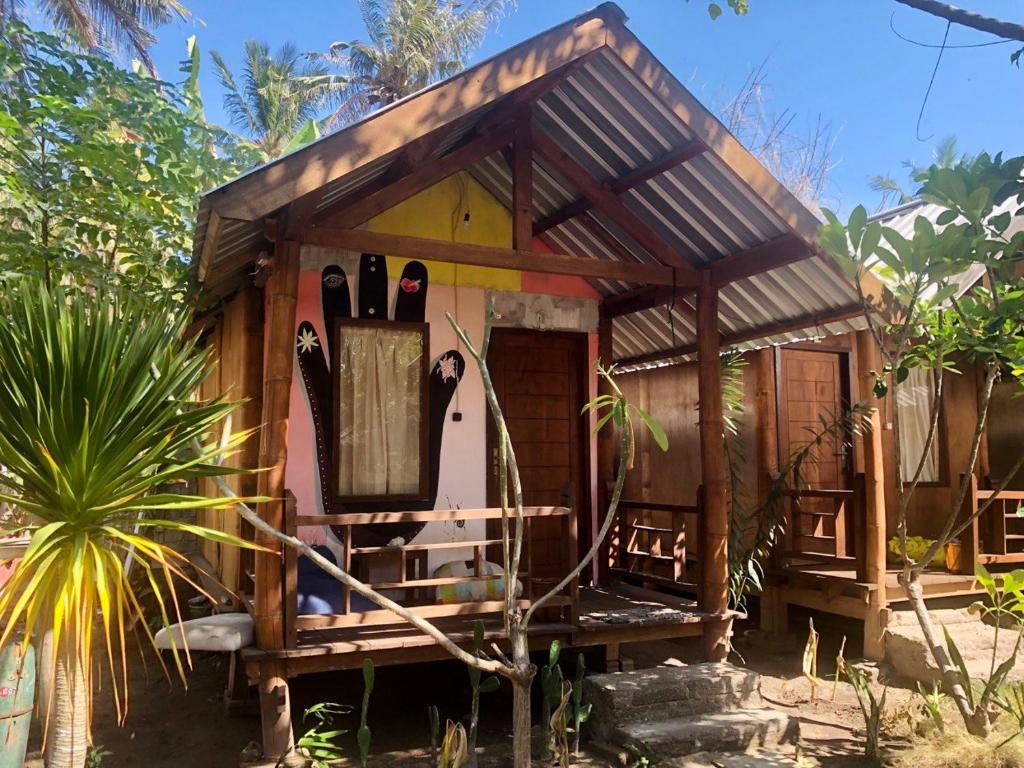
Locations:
(363, 734)
(580, 711)
(551, 693)
(434, 717)
(479, 684)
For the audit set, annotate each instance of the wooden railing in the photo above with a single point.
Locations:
(996, 537)
(411, 583)
(657, 542)
(826, 525)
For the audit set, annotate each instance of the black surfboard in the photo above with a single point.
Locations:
(335, 299)
(317, 380)
(373, 287)
(444, 378)
(411, 294)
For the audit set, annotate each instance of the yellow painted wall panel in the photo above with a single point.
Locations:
(439, 213)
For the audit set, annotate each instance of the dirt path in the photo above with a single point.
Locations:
(168, 726)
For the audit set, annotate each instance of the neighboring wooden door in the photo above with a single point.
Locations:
(813, 392)
(539, 380)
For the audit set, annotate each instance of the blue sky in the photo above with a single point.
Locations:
(838, 58)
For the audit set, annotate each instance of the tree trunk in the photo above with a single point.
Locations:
(521, 683)
(64, 702)
(976, 722)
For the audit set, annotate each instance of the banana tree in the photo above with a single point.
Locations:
(97, 424)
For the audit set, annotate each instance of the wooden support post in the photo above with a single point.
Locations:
(773, 608)
(970, 544)
(281, 290)
(714, 592)
(275, 709)
(610, 555)
(522, 181)
(875, 540)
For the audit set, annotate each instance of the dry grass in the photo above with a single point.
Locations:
(957, 749)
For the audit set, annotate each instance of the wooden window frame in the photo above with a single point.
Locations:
(423, 493)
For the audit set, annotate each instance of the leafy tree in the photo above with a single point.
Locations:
(100, 169)
(279, 98)
(412, 43)
(934, 320)
(105, 24)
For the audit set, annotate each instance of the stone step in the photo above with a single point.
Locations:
(742, 760)
(661, 693)
(740, 730)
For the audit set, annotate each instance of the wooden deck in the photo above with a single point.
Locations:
(834, 588)
(608, 616)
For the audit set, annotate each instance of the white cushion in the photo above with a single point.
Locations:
(220, 632)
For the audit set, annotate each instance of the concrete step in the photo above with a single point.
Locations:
(739, 730)
(661, 693)
(705, 759)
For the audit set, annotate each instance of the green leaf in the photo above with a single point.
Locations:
(714, 10)
(656, 431)
(553, 653)
(308, 133)
(489, 684)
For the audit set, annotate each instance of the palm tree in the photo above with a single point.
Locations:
(412, 43)
(105, 24)
(279, 94)
(99, 426)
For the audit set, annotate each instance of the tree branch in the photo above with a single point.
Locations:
(994, 26)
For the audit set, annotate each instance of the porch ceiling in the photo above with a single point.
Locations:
(689, 190)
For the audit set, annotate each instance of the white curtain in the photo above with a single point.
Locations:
(380, 394)
(916, 395)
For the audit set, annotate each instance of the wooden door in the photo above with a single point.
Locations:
(539, 380)
(814, 392)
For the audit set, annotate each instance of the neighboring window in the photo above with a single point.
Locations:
(380, 377)
(915, 401)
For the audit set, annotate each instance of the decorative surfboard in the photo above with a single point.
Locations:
(444, 378)
(373, 287)
(335, 299)
(411, 294)
(317, 380)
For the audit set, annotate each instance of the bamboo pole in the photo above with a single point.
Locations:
(714, 591)
(281, 291)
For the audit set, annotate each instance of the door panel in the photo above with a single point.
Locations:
(813, 392)
(539, 381)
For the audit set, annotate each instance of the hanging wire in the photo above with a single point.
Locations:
(671, 306)
(931, 82)
(904, 38)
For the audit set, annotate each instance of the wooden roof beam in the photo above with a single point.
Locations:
(365, 207)
(783, 250)
(846, 312)
(607, 201)
(488, 256)
(630, 181)
(522, 180)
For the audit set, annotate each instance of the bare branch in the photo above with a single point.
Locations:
(951, 13)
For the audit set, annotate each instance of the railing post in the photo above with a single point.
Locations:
(970, 546)
(859, 514)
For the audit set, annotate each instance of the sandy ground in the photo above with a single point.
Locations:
(169, 726)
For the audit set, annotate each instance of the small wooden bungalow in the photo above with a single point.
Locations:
(836, 556)
(576, 183)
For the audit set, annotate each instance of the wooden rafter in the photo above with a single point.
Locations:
(367, 206)
(607, 201)
(846, 312)
(631, 180)
(486, 256)
(522, 180)
(787, 249)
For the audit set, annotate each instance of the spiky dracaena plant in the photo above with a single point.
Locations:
(97, 413)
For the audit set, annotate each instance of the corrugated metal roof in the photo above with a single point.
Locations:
(611, 123)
